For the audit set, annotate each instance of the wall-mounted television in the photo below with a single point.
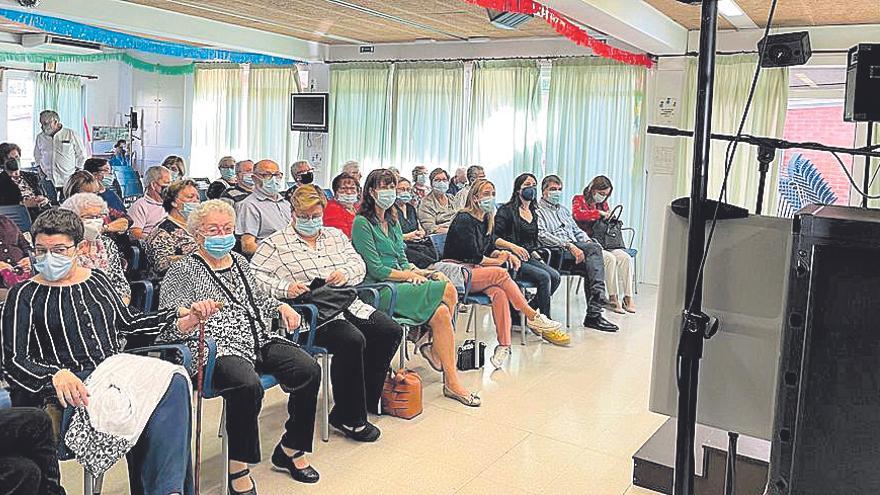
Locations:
(308, 112)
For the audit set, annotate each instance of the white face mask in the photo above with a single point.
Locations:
(93, 228)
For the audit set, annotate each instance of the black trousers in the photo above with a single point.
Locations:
(362, 351)
(28, 455)
(239, 383)
(593, 272)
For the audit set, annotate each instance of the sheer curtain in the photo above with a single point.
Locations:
(219, 123)
(359, 117)
(504, 120)
(61, 93)
(268, 117)
(596, 126)
(733, 78)
(427, 126)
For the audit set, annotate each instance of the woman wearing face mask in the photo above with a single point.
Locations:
(246, 347)
(170, 240)
(586, 210)
(341, 209)
(361, 339)
(517, 223)
(437, 209)
(378, 239)
(472, 241)
(18, 186)
(98, 251)
(419, 248)
(176, 166)
(227, 179)
(421, 184)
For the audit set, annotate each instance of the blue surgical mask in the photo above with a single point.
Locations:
(422, 179)
(219, 246)
(385, 198)
(270, 186)
(441, 186)
(188, 208)
(347, 199)
(404, 197)
(174, 176)
(529, 193)
(53, 266)
(107, 181)
(309, 227)
(554, 197)
(227, 173)
(247, 180)
(487, 204)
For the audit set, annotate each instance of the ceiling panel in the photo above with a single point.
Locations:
(789, 13)
(330, 22)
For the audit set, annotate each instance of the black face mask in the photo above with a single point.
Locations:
(307, 178)
(529, 193)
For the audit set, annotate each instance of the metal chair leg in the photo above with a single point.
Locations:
(325, 384)
(402, 348)
(224, 484)
(568, 302)
(99, 485)
(522, 326)
(88, 483)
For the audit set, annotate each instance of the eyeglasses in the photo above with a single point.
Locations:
(59, 250)
(216, 230)
(92, 217)
(315, 217)
(276, 175)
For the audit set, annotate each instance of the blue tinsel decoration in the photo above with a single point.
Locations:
(107, 37)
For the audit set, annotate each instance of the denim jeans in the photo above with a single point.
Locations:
(545, 278)
(593, 272)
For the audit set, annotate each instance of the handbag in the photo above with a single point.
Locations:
(329, 300)
(402, 394)
(609, 231)
(471, 355)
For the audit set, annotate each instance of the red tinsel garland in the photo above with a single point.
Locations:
(566, 28)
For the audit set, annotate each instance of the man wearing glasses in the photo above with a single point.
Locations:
(265, 211)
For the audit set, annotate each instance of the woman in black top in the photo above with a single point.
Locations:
(517, 223)
(471, 240)
(419, 248)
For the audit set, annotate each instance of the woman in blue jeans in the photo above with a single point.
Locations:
(516, 222)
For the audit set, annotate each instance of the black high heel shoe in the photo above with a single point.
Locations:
(241, 474)
(284, 462)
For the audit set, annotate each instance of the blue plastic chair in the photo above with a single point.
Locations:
(18, 214)
(142, 295)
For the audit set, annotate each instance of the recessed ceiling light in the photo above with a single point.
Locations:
(729, 8)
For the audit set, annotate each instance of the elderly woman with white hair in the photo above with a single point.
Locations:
(98, 250)
(246, 346)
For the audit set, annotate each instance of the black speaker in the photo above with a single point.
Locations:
(134, 119)
(786, 50)
(862, 84)
(826, 430)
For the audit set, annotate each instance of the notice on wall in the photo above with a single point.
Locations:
(667, 111)
(663, 160)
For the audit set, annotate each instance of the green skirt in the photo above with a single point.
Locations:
(415, 303)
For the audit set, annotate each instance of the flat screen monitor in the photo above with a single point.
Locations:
(308, 112)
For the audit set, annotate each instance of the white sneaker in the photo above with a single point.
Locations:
(540, 324)
(502, 352)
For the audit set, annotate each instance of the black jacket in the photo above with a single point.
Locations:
(512, 228)
(10, 194)
(468, 240)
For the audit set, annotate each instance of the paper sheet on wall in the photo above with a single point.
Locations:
(663, 161)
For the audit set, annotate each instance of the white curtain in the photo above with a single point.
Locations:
(268, 118)
(427, 124)
(733, 78)
(504, 122)
(64, 94)
(219, 124)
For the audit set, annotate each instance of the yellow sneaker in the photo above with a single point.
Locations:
(557, 337)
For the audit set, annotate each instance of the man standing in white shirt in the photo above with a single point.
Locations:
(58, 151)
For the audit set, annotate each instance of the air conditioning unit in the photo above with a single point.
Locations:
(507, 20)
(51, 42)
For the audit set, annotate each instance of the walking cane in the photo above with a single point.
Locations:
(200, 381)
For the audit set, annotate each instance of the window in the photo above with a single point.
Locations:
(20, 114)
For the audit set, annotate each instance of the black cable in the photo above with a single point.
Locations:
(852, 181)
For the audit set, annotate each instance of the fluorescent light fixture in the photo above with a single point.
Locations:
(729, 8)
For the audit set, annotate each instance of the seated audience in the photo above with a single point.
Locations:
(361, 339)
(246, 347)
(97, 251)
(580, 255)
(517, 223)
(244, 183)
(82, 181)
(15, 251)
(301, 172)
(147, 212)
(473, 173)
(100, 169)
(471, 240)
(587, 209)
(340, 210)
(28, 453)
(265, 211)
(437, 209)
(377, 237)
(59, 326)
(419, 248)
(459, 180)
(227, 178)
(176, 166)
(120, 155)
(170, 240)
(353, 169)
(18, 187)
(421, 186)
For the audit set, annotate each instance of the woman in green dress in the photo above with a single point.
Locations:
(423, 297)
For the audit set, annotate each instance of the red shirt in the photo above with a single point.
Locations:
(586, 214)
(335, 215)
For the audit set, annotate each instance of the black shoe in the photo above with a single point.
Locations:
(369, 433)
(241, 474)
(598, 322)
(283, 462)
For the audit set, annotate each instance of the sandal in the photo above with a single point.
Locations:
(427, 350)
(470, 400)
(241, 474)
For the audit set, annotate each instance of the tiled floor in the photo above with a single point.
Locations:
(553, 421)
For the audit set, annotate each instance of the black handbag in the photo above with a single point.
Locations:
(471, 355)
(609, 231)
(329, 300)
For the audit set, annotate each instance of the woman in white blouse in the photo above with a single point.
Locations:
(361, 339)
